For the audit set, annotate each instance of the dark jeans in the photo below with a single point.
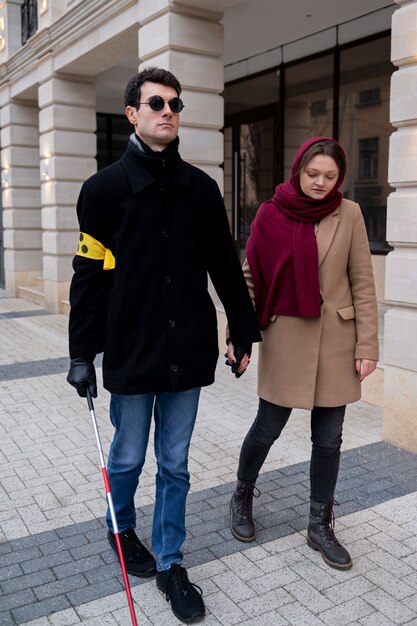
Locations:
(326, 437)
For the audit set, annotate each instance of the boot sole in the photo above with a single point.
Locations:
(234, 533)
(148, 574)
(340, 566)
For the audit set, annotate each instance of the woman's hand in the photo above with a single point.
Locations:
(364, 367)
(231, 358)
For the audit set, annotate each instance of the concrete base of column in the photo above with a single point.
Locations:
(56, 295)
(13, 280)
(373, 387)
(400, 402)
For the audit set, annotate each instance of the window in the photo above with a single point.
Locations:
(29, 13)
(308, 104)
(368, 158)
(342, 94)
(251, 149)
(369, 97)
(364, 131)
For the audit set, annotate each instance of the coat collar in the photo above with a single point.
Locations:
(142, 169)
(326, 232)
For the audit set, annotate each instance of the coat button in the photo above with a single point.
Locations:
(174, 368)
(171, 323)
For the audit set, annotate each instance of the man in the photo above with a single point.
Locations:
(152, 227)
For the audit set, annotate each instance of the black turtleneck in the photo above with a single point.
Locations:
(159, 154)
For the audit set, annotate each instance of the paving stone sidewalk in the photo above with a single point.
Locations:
(56, 568)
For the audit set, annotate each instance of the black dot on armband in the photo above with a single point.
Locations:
(84, 249)
(81, 236)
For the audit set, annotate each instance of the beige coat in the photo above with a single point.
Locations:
(306, 362)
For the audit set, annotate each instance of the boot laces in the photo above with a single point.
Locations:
(248, 492)
(134, 547)
(328, 522)
(178, 578)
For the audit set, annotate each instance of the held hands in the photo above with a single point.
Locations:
(238, 358)
(364, 367)
(82, 375)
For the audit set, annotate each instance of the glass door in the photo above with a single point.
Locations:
(254, 168)
(251, 140)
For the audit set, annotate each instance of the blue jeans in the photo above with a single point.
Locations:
(174, 415)
(326, 437)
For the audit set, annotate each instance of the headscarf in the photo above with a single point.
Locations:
(282, 247)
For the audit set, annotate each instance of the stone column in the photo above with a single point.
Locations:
(49, 11)
(21, 192)
(67, 121)
(10, 28)
(189, 42)
(400, 352)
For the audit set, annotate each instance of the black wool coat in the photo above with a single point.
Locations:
(165, 223)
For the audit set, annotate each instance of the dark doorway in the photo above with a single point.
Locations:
(113, 132)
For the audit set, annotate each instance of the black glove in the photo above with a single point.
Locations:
(240, 352)
(82, 374)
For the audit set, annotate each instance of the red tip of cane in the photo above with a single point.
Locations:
(125, 579)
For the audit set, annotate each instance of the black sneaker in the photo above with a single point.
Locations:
(185, 597)
(138, 560)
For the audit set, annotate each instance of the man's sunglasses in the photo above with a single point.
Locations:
(157, 103)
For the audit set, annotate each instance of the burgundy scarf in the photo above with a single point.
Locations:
(282, 247)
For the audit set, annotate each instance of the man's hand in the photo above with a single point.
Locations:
(364, 367)
(82, 375)
(238, 358)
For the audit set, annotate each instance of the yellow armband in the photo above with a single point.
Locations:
(93, 249)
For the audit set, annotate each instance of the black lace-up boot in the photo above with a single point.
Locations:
(138, 560)
(185, 597)
(321, 537)
(241, 519)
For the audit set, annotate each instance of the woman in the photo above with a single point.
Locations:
(309, 272)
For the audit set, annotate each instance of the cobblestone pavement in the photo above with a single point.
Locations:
(56, 568)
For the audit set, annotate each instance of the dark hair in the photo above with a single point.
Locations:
(329, 148)
(153, 75)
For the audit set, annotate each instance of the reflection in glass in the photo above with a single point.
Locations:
(308, 104)
(256, 168)
(250, 150)
(364, 131)
(254, 156)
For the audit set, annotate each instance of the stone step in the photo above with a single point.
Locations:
(32, 293)
(65, 307)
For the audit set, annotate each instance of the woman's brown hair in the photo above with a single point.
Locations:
(328, 148)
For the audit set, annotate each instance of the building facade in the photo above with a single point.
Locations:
(257, 81)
